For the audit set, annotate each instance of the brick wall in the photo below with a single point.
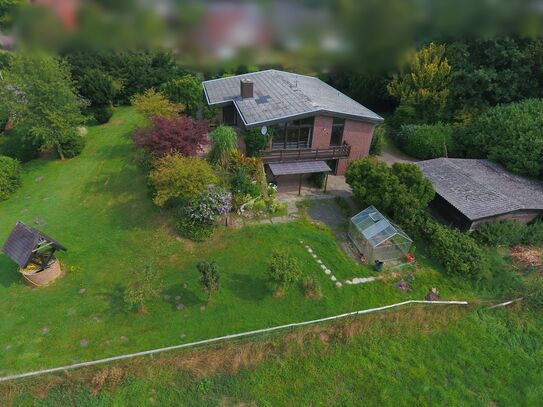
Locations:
(322, 132)
(358, 135)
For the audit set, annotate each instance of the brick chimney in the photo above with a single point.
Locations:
(247, 87)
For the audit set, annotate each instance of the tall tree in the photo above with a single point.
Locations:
(40, 96)
(423, 82)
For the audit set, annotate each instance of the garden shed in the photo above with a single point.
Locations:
(377, 238)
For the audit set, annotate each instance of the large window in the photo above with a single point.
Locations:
(337, 132)
(229, 115)
(293, 135)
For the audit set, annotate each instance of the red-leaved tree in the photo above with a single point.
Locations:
(178, 135)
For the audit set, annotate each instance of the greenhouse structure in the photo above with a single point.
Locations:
(377, 238)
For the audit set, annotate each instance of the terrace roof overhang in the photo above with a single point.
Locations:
(298, 168)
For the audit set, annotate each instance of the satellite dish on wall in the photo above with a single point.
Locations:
(264, 130)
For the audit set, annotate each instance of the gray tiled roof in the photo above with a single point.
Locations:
(280, 95)
(481, 188)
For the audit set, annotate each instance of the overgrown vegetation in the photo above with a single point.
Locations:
(223, 145)
(427, 141)
(10, 177)
(509, 233)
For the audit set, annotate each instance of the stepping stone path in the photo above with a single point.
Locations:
(45, 330)
(124, 338)
(180, 307)
(326, 270)
(84, 342)
(177, 298)
(167, 297)
(82, 290)
(360, 280)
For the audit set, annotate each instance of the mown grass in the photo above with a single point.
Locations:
(98, 206)
(417, 356)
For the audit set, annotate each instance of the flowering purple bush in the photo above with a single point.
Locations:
(208, 206)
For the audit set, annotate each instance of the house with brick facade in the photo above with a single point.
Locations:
(312, 126)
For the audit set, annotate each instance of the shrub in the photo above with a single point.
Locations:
(146, 286)
(209, 277)
(378, 140)
(99, 88)
(10, 176)
(458, 252)
(427, 141)
(72, 144)
(403, 114)
(16, 145)
(256, 142)
(223, 144)
(243, 185)
(102, 113)
(318, 179)
(187, 91)
(311, 288)
(401, 191)
(509, 233)
(193, 230)
(178, 135)
(175, 176)
(509, 134)
(283, 269)
(152, 104)
(208, 206)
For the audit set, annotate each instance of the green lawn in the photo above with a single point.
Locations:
(98, 206)
(410, 357)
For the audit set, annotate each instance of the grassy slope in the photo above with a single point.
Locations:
(410, 357)
(98, 206)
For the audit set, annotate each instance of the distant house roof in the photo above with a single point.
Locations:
(22, 242)
(481, 188)
(279, 96)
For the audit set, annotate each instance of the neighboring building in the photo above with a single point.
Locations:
(314, 125)
(472, 192)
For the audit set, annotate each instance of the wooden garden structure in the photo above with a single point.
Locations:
(33, 251)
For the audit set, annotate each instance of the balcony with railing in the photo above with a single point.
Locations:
(307, 154)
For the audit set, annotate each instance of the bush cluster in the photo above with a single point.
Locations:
(378, 140)
(283, 269)
(10, 176)
(175, 177)
(400, 191)
(14, 144)
(458, 252)
(426, 141)
(509, 233)
(197, 217)
(509, 134)
(256, 142)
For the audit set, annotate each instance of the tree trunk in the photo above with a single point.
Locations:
(59, 151)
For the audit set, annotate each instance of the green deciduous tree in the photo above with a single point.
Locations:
(423, 82)
(180, 177)
(7, 10)
(209, 277)
(187, 91)
(39, 94)
(401, 191)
